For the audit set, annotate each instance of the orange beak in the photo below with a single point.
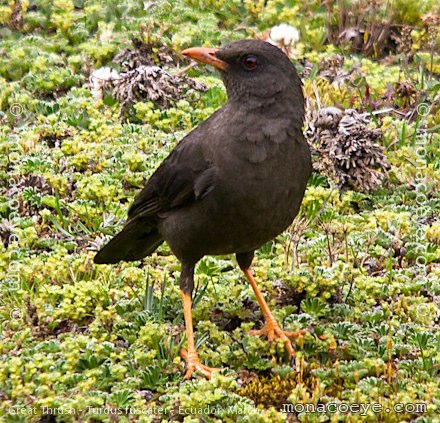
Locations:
(205, 55)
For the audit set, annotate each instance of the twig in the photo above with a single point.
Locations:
(185, 69)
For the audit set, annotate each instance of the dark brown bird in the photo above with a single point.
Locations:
(232, 184)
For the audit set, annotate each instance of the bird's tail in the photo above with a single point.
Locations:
(134, 242)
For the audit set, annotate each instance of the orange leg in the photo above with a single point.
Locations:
(190, 356)
(271, 328)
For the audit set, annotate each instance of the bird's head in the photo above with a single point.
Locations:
(253, 71)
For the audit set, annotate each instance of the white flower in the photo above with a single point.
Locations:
(104, 74)
(284, 36)
(99, 78)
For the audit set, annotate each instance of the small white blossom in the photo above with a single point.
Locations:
(148, 4)
(101, 77)
(284, 35)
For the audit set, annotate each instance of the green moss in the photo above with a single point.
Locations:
(272, 391)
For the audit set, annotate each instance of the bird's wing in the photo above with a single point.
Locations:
(185, 176)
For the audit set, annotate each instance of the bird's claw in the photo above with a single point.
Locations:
(272, 330)
(193, 364)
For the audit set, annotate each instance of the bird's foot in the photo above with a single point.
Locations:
(272, 330)
(193, 364)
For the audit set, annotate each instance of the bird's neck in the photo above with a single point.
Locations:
(284, 105)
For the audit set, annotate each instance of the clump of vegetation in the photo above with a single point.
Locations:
(275, 390)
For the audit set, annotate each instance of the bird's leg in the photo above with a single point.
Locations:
(271, 328)
(190, 355)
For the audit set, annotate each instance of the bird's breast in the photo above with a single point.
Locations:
(261, 176)
(263, 185)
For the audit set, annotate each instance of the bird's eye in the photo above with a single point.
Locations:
(250, 62)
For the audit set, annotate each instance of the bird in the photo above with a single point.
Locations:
(231, 185)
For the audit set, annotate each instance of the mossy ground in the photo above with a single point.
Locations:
(360, 272)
